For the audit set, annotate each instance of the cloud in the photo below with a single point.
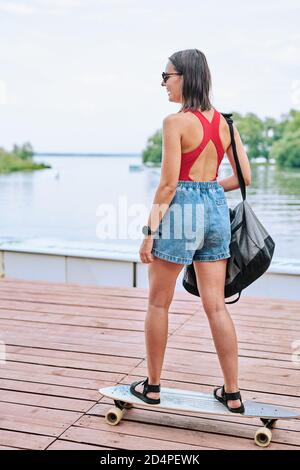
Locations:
(17, 8)
(39, 6)
(286, 51)
(94, 64)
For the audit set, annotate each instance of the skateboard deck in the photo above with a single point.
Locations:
(197, 402)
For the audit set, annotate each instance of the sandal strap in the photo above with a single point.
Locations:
(232, 396)
(150, 387)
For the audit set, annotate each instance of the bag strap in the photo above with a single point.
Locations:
(229, 120)
(235, 300)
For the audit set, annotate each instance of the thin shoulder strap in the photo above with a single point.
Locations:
(229, 120)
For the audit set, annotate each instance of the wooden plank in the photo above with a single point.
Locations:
(59, 371)
(52, 287)
(52, 379)
(24, 440)
(102, 301)
(63, 342)
(60, 444)
(114, 363)
(53, 361)
(206, 343)
(33, 328)
(71, 354)
(10, 396)
(59, 418)
(68, 320)
(48, 389)
(86, 311)
(254, 336)
(9, 448)
(27, 426)
(120, 440)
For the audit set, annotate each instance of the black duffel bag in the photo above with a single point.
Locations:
(251, 247)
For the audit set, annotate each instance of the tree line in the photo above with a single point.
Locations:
(268, 138)
(19, 159)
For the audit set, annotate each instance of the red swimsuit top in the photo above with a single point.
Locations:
(210, 132)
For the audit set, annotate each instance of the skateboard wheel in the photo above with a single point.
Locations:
(263, 437)
(114, 416)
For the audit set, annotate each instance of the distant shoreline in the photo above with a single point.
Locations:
(73, 154)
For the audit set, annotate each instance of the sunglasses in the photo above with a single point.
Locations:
(165, 76)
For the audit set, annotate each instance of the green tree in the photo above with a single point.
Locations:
(286, 150)
(153, 151)
(25, 152)
(19, 159)
(251, 129)
(291, 121)
(271, 133)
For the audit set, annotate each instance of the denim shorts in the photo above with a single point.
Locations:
(196, 225)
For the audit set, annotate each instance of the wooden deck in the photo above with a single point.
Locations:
(63, 342)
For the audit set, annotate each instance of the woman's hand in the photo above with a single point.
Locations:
(145, 250)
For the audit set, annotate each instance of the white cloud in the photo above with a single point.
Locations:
(288, 54)
(39, 6)
(19, 8)
(78, 68)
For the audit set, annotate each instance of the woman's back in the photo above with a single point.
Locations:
(205, 139)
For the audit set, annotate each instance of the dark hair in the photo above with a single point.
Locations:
(196, 87)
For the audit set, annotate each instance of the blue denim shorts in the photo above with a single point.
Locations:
(196, 225)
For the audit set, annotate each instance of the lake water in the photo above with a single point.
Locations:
(60, 204)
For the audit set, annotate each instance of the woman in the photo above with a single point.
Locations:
(194, 142)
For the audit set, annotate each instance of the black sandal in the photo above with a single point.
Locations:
(147, 388)
(229, 396)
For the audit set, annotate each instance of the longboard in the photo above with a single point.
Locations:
(197, 402)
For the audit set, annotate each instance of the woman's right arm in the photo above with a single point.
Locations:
(232, 182)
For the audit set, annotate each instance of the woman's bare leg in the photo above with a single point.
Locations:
(162, 276)
(210, 281)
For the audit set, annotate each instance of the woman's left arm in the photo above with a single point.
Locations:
(170, 168)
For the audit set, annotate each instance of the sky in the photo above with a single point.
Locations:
(85, 75)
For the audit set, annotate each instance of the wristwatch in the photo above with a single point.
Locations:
(147, 230)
